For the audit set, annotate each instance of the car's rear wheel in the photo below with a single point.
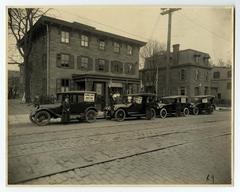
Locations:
(163, 113)
(120, 115)
(195, 111)
(42, 118)
(90, 116)
(150, 114)
(185, 111)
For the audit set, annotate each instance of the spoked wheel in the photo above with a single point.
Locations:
(150, 114)
(120, 115)
(91, 116)
(163, 113)
(42, 118)
(195, 111)
(185, 111)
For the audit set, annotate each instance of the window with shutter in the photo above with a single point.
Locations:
(84, 41)
(64, 37)
(116, 47)
(129, 50)
(130, 68)
(65, 85)
(100, 65)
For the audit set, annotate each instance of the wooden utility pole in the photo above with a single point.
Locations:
(169, 13)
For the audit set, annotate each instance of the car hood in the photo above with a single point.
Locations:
(116, 106)
(50, 106)
(160, 105)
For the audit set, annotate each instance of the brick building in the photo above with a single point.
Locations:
(221, 85)
(189, 73)
(73, 56)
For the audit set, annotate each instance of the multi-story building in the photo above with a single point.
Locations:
(73, 56)
(221, 85)
(189, 73)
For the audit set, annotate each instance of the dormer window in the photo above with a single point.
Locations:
(197, 58)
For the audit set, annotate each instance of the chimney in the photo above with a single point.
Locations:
(176, 48)
(176, 53)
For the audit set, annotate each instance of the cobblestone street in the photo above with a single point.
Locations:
(186, 150)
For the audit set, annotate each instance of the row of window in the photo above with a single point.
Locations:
(197, 59)
(84, 42)
(182, 75)
(85, 63)
(183, 91)
(216, 74)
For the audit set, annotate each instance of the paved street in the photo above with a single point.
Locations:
(186, 150)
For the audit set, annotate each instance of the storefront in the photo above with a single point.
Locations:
(105, 86)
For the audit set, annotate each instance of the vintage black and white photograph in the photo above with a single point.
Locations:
(120, 95)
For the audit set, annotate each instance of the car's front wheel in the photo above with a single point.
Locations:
(195, 111)
(42, 118)
(90, 116)
(163, 113)
(150, 114)
(185, 111)
(120, 115)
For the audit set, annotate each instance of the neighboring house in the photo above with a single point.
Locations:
(189, 73)
(73, 56)
(13, 84)
(221, 84)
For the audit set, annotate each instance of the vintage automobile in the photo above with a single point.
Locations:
(82, 107)
(203, 104)
(167, 106)
(135, 105)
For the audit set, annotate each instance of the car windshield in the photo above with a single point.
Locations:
(197, 100)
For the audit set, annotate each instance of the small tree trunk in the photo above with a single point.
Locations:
(27, 80)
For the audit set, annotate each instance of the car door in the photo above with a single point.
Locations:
(73, 104)
(136, 107)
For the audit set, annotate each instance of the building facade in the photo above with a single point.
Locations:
(221, 84)
(189, 73)
(73, 56)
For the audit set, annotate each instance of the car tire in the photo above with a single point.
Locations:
(163, 113)
(90, 116)
(150, 114)
(195, 111)
(42, 118)
(185, 111)
(120, 115)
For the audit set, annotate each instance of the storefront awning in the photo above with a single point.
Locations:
(119, 85)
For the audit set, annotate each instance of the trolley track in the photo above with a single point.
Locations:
(129, 156)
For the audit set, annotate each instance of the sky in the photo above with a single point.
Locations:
(207, 29)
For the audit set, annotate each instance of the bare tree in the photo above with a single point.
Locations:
(152, 48)
(20, 23)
